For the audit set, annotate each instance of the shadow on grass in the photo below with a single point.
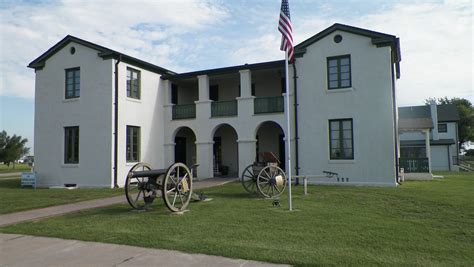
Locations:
(13, 183)
(233, 195)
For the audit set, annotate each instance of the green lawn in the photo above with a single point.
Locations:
(418, 223)
(18, 168)
(13, 198)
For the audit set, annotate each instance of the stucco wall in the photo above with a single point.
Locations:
(439, 158)
(368, 102)
(267, 83)
(145, 113)
(187, 94)
(92, 112)
(450, 133)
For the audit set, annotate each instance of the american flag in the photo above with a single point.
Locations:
(284, 26)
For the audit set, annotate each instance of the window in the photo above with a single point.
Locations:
(214, 92)
(71, 145)
(133, 83)
(442, 128)
(339, 72)
(341, 139)
(174, 94)
(133, 144)
(73, 83)
(283, 85)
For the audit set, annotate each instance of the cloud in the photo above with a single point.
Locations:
(144, 29)
(436, 44)
(436, 37)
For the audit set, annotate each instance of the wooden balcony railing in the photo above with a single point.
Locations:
(414, 164)
(268, 104)
(184, 111)
(224, 108)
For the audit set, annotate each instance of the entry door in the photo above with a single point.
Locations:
(281, 151)
(180, 150)
(217, 151)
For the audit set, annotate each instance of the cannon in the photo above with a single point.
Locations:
(265, 177)
(144, 184)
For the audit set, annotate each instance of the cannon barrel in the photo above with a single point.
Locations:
(148, 173)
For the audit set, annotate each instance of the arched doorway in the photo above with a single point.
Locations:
(225, 151)
(271, 138)
(185, 146)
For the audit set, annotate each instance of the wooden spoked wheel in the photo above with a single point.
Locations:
(271, 181)
(249, 179)
(177, 187)
(136, 187)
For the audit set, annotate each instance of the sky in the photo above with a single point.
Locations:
(186, 35)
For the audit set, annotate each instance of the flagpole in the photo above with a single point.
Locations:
(288, 138)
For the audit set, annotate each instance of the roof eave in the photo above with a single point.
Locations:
(217, 71)
(103, 52)
(378, 39)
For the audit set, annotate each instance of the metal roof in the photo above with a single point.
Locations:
(446, 112)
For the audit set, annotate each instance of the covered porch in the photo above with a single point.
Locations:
(415, 153)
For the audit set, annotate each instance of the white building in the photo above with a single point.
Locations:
(428, 139)
(98, 111)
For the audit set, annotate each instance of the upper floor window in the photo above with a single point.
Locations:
(133, 144)
(73, 83)
(341, 143)
(133, 83)
(214, 92)
(71, 145)
(174, 94)
(442, 128)
(339, 72)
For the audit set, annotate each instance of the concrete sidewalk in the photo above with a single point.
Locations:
(37, 214)
(21, 250)
(10, 174)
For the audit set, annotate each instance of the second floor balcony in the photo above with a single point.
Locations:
(229, 92)
(272, 104)
(187, 111)
(224, 108)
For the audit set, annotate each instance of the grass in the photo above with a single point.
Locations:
(418, 223)
(18, 168)
(13, 198)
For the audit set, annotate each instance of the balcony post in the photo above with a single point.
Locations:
(203, 83)
(245, 83)
(245, 101)
(428, 148)
(168, 107)
(203, 105)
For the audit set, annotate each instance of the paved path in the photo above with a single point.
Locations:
(10, 174)
(21, 250)
(37, 214)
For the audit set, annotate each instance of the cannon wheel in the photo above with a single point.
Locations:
(271, 181)
(249, 180)
(134, 186)
(177, 187)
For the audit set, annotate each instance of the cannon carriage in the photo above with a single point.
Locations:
(174, 185)
(265, 177)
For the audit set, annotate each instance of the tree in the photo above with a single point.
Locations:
(470, 153)
(12, 148)
(466, 117)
